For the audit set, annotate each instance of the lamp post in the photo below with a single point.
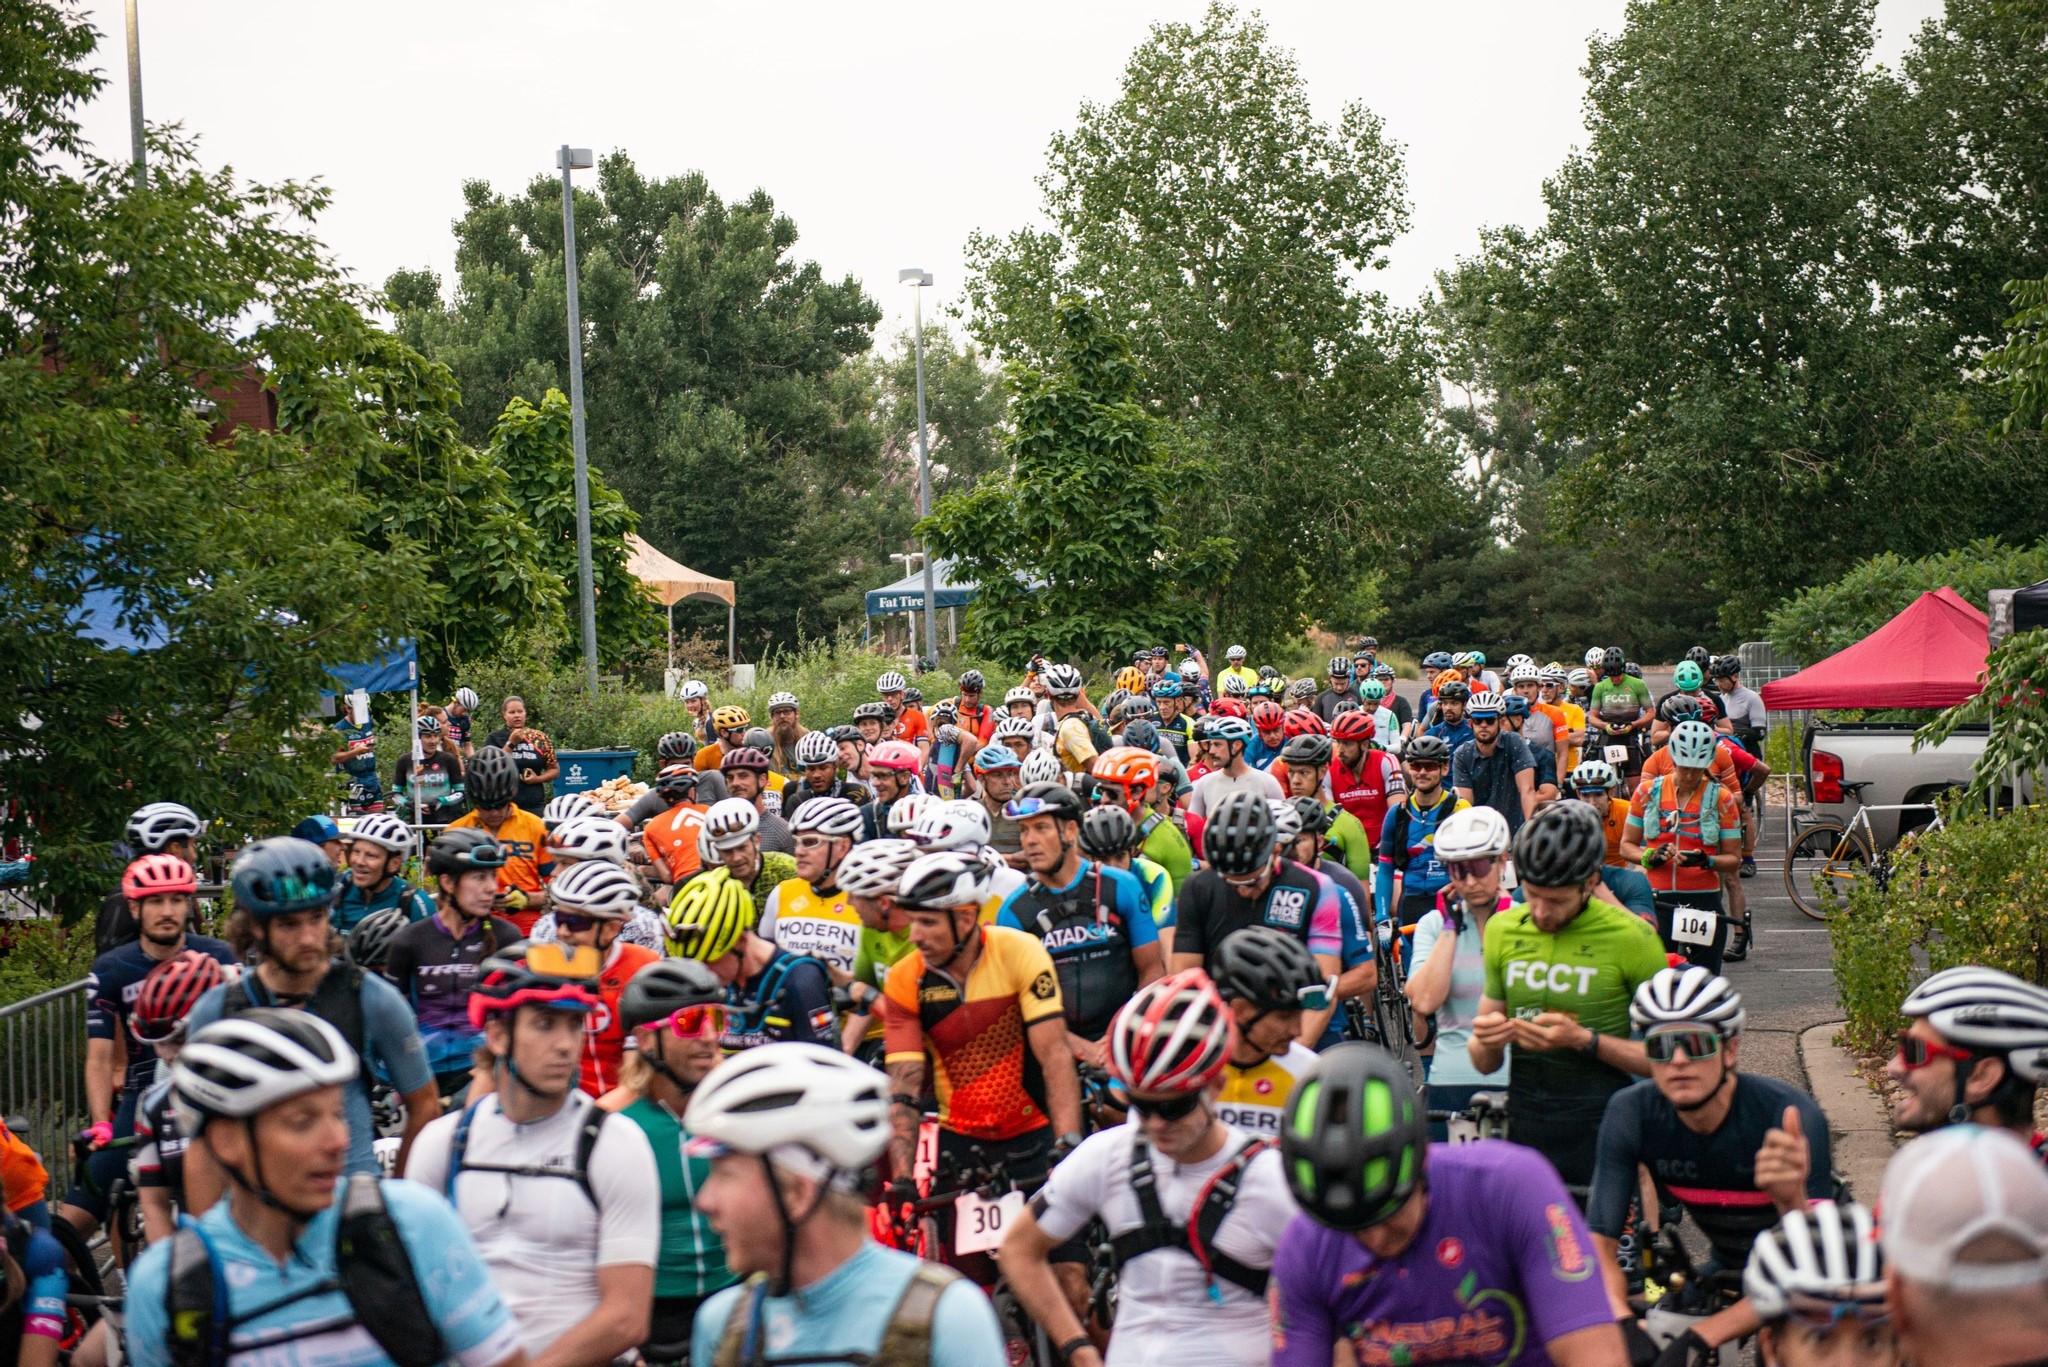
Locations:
(135, 96)
(578, 159)
(918, 280)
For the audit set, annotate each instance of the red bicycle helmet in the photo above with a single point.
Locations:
(1354, 726)
(1173, 1037)
(169, 991)
(895, 754)
(1266, 715)
(1302, 722)
(1229, 707)
(158, 873)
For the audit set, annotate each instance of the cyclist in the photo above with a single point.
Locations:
(1816, 1280)
(162, 894)
(1448, 980)
(911, 726)
(1176, 715)
(34, 1317)
(773, 994)
(1358, 780)
(1191, 1205)
(377, 849)
(1974, 1052)
(869, 876)
(433, 963)
(817, 759)
(1729, 1147)
(728, 733)
(166, 997)
(696, 700)
(1110, 838)
(1495, 769)
(596, 838)
(1686, 831)
(1446, 718)
(674, 1013)
(1594, 783)
(1618, 714)
(492, 786)
(791, 1131)
(322, 830)
(1553, 692)
(158, 828)
(748, 779)
(892, 769)
(997, 771)
(1267, 978)
(1341, 693)
(671, 840)
(1420, 1252)
(1235, 670)
(1515, 716)
(1075, 730)
(1561, 969)
(785, 729)
(732, 834)
(265, 1096)
(461, 716)
(1130, 776)
(593, 901)
(553, 1189)
(1229, 772)
(1735, 770)
(810, 914)
(1543, 726)
(1410, 874)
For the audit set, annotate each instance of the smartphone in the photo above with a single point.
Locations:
(1527, 1013)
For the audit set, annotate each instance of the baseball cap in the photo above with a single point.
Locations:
(1966, 1208)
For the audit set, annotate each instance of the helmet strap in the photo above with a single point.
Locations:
(790, 1224)
(1727, 1076)
(253, 1184)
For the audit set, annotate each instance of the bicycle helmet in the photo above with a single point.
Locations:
(942, 881)
(1020, 694)
(1354, 1138)
(891, 682)
(1313, 817)
(1051, 799)
(1465, 659)
(802, 1106)
(1594, 773)
(731, 823)
(1426, 748)
(992, 757)
(240, 1066)
(1485, 703)
(1692, 745)
(779, 700)
(1580, 678)
(169, 991)
(1436, 662)
(973, 681)
(1552, 676)
(466, 698)
(567, 807)
(1230, 707)
(1374, 691)
(1142, 734)
(427, 725)
(1473, 833)
(1613, 660)
(153, 827)
(1062, 680)
(1698, 656)
(1355, 727)
(1561, 846)
(1632, 669)
(1514, 705)
(1524, 673)
(1166, 686)
(676, 782)
(954, 825)
(154, 874)
(1286, 821)
(1340, 667)
(1687, 996)
(813, 748)
(1040, 766)
(1130, 766)
(1267, 716)
(1989, 1012)
(914, 696)
(384, 831)
(874, 868)
(1302, 722)
(692, 689)
(1678, 707)
(905, 810)
(1235, 654)
(1114, 703)
(708, 916)
(746, 757)
(507, 981)
(369, 944)
(595, 888)
(875, 711)
(1725, 666)
(1235, 729)
(1233, 686)
(1687, 676)
(1239, 838)
(675, 745)
(1173, 1038)
(492, 779)
(1826, 1255)
(1013, 728)
(1310, 750)
(730, 718)
(284, 875)
(1454, 690)
(832, 817)
(1107, 831)
(1131, 679)
(665, 987)
(896, 756)
(318, 829)
(462, 849)
(1301, 691)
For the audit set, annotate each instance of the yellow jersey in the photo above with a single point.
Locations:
(1254, 1098)
(798, 919)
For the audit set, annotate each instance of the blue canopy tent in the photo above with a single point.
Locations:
(906, 596)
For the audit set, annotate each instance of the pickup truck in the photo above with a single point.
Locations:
(1854, 764)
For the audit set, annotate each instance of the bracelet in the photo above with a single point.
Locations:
(1591, 1048)
(1065, 1352)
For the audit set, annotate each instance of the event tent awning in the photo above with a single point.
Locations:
(907, 593)
(1930, 655)
(672, 581)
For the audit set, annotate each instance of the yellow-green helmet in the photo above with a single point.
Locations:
(708, 916)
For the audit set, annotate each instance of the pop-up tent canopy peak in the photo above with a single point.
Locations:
(1930, 655)
(674, 582)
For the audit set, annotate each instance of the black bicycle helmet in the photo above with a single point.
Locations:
(1613, 660)
(1315, 817)
(676, 745)
(1107, 830)
(1700, 656)
(1561, 846)
(1355, 1137)
(1632, 669)
(1265, 967)
(462, 849)
(1724, 667)
(281, 876)
(1454, 692)
(1055, 800)
(492, 779)
(665, 987)
(1678, 707)
(875, 711)
(972, 681)
(1238, 841)
(1308, 748)
(1427, 747)
(370, 941)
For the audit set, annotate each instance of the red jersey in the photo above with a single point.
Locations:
(1368, 793)
(604, 1039)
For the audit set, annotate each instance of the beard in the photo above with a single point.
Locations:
(785, 733)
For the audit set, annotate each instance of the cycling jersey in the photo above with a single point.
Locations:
(435, 971)
(1408, 847)
(1303, 903)
(670, 840)
(40, 1310)
(1501, 1266)
(974, 1034)
(1254, 1095)
(364, 785)
(1158, 889)
(604, 1036)
(1713, 1175)
(309, 1312)
(797, 794)
(1167, 846)
(1248, 677)
(1628, 685)
(1358, 854)
(1077, 739)
(457, 725)
(1570, 717)
(1589, 970)
(1744, 708)
(1712, 815)
(913, 726)
(528, 865)
(1452, 1066)
(1364, 793)
(790, 999)
(110, 990)
(1218, 784)
(803, 920)
(354, 904)
(1332, 700)
(1180, 734)
(1091, 927)
(1452, 733)
(692, 1258)
(159, 1159)
(1260, 754)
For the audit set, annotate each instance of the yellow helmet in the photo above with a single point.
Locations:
(730, 719)
(708, 916)
(1131, 679)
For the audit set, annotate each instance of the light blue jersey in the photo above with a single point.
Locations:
(848, 1311)
(321, 1329)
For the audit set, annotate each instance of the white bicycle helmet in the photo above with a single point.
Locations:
(595, 888)
(874, 868)
(1234, 653)
(815, 747)
(1484, 703)
(1062, 680)
(891, 682)
(1827, 1253)
(1552, 676)
(1692, 744)
(1233, 686)
(244, 1064)
(568, 807)
(827, 816)
(1040, 766)
(1286, 821)
(385, 831)
(153, 827)
(1473, 833)
(1595, 657)
(781, 699)
(589, 837)
(905, 810)
(1010, 728)
(1517, 661)
(943, 881)
(692, 689)
(1687, 996)
(466, 698)
(1525, 672)
(1020, 694)
(1594, 773)
(1580, 678)
(950, 826)
(730, 823)
(1988, 1011)
(790, 1101)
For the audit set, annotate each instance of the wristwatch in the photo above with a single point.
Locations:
(1065, 1352)
(1591, 1048)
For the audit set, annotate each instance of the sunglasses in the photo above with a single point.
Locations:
(1818, 1314)
(574, 924)
(156, 1032)
(698, 1022)
(1662, 1044)
(1243, 880)
(1915, 1052)
(1178, 1108)
(812, 842)
(1425, 766)
(1471, 868)
(1020, 808)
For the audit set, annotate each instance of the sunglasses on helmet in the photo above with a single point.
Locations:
(157, 1031)
(1663, 1042)
(1020, 808)
(1317, 996)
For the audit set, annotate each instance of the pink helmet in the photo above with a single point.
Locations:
(896, 754)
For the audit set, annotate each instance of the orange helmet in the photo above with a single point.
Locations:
(1131, 679)
(1449, 676)
(1128, 767)
(1302, 722)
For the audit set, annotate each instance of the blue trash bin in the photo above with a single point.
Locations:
(583, 770)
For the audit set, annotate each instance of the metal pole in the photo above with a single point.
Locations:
(135, 97)
(585, 592)
(924, 488)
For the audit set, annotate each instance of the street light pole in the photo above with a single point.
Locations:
(918, 279)
(578, 159)
(135, 96)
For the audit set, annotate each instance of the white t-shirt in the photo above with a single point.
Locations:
(538, 1234)
(1211, 788)
(1164, 1315)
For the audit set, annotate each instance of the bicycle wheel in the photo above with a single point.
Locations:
(82, 1270)
(1821, 863)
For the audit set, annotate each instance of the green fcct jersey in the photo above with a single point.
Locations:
(1628, 684)
(1589, 971)
(1167, 847)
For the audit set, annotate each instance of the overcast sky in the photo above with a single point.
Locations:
(889, 130)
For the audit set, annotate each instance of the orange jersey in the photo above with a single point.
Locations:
(671, 840)
(1616, 822)
(604, 1038)
(1679, 830)
(528, 865)
(22, 1173)
(912, 726)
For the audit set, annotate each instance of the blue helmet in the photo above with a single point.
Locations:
(1436, 661)
(1142, 734)
(1166, 686)
(1231, 728)
(278, 877)
(991, 757)
(319, 829)
(1514, 705)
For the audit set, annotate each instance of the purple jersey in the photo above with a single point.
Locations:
(1502, 1266)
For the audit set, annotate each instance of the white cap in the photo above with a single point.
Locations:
(1966, 1208)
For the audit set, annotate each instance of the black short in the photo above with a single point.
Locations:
(670, 1327)
(1706, 956)
(1028, 1159)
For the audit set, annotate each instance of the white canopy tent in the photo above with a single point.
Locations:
(674, 582)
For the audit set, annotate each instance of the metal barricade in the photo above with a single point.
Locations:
(42, 1073)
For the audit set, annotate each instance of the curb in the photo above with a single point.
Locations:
(1859, 1127)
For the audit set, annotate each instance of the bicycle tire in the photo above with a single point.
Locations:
(84, 1274)
(1820, 861)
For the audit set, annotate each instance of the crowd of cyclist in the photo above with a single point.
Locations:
(1232, 1019)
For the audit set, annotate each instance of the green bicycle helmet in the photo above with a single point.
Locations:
(1355, 1138)
(1687, 676)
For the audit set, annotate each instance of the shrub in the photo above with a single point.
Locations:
(1816, 622)
(38, 955)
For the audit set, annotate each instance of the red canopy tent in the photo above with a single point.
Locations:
(1930, 655)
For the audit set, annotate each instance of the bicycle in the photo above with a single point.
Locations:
(1484, 1117)
(1829, 854)
(121, 1237)
(1388, 1021)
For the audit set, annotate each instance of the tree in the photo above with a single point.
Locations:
(1224, 230)
(708, 370)
(126, 344)
(1072, 547)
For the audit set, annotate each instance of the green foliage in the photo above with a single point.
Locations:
(2021, 365)
(36, 956)
(1073, 548)
(2014, 705)
(1225, 231)
(1973, 893)
(1817, 622)
(126, 316)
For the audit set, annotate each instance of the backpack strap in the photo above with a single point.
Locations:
(1156, 1231)
(586, 1142)
(746, 1310)
(376, 1273)
(195, 1300)
(458, 1144)
(907, 1342)
(1212, 1207)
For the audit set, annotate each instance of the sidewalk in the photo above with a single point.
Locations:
(1859, 1128)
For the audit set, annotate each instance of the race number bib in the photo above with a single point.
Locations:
(927, 1155)
(1463, 1129)
(1692, 926)
(1616, 754)
(978, 1225)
